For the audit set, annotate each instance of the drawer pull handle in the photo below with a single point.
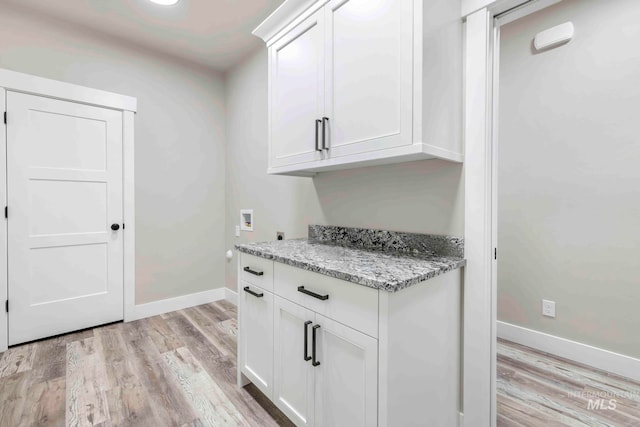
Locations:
(254, 272)
(306, 339)
(317, 132)
(313, 294)
(315, 362)
(255, 294)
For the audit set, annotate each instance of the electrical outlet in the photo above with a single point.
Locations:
(237, 231)
(548, 308)
(280, 235)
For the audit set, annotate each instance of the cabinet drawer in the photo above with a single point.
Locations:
(257, 271)
(353, 305)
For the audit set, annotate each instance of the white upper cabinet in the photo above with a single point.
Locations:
(368, 75)
(297, 93)
(363, 82)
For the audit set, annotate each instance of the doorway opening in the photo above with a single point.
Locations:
(565, 209)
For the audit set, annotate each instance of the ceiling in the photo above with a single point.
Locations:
(214, 33)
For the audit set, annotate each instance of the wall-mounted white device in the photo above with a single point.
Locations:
(548, 308)
(246, 219)
(553, 37)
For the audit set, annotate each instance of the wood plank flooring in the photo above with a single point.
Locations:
(538, 389)
(177, 369)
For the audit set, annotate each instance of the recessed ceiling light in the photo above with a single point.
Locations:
(165, 2)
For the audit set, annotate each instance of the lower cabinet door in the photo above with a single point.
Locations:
(293, 371)
(256, 338)
(346, 380)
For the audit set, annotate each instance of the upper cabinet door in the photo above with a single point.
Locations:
(296, 95)
(369, 75)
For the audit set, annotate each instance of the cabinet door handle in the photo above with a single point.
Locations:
(254, 272)
(325, 120)
(313, 294)
(314, 358)
(318, 135)
(306, 340)
(255, 294)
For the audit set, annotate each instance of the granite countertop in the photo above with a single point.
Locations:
(378, 259)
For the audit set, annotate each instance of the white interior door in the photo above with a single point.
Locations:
(293, 375)
(369, 75)
(297, 93)
(64, 185)
(346, 388)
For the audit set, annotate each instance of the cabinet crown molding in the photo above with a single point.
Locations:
(282, 16)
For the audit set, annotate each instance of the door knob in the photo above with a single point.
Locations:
(115, 227)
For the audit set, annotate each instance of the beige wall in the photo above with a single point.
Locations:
(180, 155)
(424, 196)
(569, 202)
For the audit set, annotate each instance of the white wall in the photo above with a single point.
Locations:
(424, 196)
(569, 201)
(180, 153)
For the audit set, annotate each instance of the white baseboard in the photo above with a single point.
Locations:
(606, 360)
(231, 296)
(178, 303)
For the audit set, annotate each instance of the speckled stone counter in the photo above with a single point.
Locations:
(378, 259)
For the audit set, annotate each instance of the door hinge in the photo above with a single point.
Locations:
(495, 253)
(6, 306)
(6, 211)
(5, 117)
(123, 225)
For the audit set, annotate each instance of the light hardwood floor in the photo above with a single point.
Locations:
(538, 389)
(177, 369)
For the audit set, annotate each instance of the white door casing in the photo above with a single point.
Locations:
(368, 44)
(294, 377)
(481, 79)
(346, 386)
(3, 231)
(65, 189)
(297, 93)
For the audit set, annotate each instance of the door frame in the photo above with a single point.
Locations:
(39, 86)
(483, 19)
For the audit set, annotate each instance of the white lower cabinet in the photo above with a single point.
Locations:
(294, 375)
(330, 353)
(325, 372)
(256, 340)
(346, 386)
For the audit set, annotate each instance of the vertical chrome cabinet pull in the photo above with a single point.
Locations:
(315, 361)
(325, 120)
(317, 135)
(306, 339)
